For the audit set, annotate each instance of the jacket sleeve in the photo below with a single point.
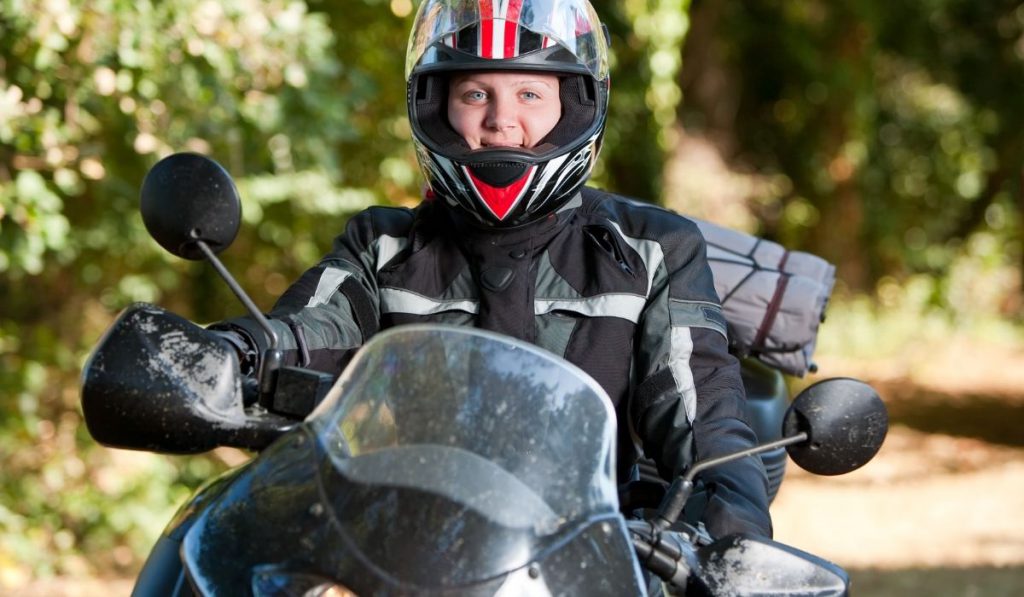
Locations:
(688, 405)
(330, 310)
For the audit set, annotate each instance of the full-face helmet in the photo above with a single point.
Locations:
(506, 186)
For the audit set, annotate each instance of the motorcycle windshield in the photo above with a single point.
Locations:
(475, 442)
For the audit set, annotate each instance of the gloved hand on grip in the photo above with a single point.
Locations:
(248, 358)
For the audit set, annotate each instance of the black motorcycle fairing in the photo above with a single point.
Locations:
(457, 455)
(163, 572)
(597, 559)
(269, 512)
(422, 539)
(200, 500)
(589, 560)
(273, 512)
(444, 461)
(442, 527)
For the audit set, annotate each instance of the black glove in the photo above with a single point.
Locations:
(245, 348)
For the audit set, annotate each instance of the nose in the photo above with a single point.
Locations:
(501, 114)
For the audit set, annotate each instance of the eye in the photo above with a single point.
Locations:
(474, 96)
(530, 95)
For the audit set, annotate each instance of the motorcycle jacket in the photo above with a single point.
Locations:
(620, 288)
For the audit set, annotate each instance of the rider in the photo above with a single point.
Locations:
(507, 100)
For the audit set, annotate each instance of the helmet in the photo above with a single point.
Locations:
(504, 186)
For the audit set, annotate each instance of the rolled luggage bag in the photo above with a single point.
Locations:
(773, 299)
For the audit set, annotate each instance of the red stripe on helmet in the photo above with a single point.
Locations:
(487, 38)
(500, 200)
(512, 28)
(514, 8)
(486, 49)
(511, 39)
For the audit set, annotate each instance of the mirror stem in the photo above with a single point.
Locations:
(271, 360)
(712, 462)
(672, 505)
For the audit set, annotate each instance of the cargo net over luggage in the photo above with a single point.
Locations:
(773, 299)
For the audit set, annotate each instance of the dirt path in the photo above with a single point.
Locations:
(926, 501)
(947, 487)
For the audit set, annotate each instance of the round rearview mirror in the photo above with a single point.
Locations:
(845, 421)
(188, 197)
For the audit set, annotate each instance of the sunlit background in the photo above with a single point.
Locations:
(883, 136)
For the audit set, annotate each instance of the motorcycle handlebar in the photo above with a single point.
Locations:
(669, 554)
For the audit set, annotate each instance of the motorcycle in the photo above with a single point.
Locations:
(444, 460)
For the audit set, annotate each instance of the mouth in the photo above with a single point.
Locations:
(499, 144)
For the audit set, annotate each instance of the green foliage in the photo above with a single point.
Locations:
(646, 39)
(893, 132)
(91, 94)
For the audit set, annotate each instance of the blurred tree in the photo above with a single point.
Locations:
(91, 94)
(646, 38)
(976, 50)
(889, 132)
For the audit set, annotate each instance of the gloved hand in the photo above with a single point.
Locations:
(248, 361)
(248, 357)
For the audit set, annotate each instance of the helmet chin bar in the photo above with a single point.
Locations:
(498, 172)
(500, 199)
(546, 186)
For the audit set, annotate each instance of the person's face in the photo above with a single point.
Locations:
(503, 109)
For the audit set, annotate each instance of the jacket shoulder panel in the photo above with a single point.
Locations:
(673, 249)
(640, 219)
